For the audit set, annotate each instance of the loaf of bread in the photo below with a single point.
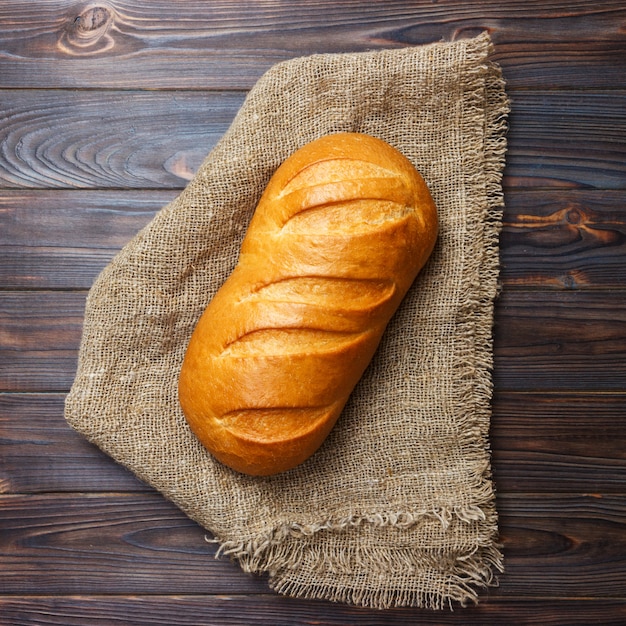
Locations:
(341, 231)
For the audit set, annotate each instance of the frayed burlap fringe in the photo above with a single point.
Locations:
(398, 507)
(458, 574)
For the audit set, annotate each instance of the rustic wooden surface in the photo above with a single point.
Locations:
(107, 110)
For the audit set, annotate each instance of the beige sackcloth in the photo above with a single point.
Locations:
(397, 507)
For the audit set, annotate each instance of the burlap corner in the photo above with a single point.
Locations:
(397, 507)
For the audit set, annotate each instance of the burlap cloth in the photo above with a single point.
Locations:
(397, 507)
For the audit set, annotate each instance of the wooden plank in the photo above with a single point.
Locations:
(46, 267)
(270, 610)
(114, 543)
(41, 320)
(554, 546)
(112, 139)
(39, 336)
(556, 443)
(57, 239)
(39, 452)
(567, 139)
(557, 341)
(558, 543)
(157, 140)
(83, 219)
(37, 370)
(544, 341)
(160, 44)
(543, 443)
(565, 239)
(552, 239)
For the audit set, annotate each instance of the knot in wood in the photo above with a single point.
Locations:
(92, 18)
(574, 216)
(88, 32)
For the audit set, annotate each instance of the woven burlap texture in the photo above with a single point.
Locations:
(397, 507)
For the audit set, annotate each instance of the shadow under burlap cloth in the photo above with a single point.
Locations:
(397, 507)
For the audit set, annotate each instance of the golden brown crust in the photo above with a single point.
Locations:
(341, 231)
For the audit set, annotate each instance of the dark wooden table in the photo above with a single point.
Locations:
(107, 110)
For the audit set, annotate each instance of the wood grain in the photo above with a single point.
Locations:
(559, 443)
(40, 453)
(588, 127)
(560, 341)
(140, 543)
(561, 539)
(86, 219)
(273, 610)
(83, 139)
(156, 140)
(57, 239)
(39, 336)
(109, 543)
(569, 239)
(229, 44)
